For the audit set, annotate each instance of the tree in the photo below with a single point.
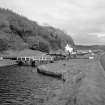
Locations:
(3, 45)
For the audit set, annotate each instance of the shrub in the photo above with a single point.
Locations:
(3, 45)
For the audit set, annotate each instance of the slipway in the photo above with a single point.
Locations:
(55, 70)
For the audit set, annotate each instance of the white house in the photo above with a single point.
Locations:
(68, 49)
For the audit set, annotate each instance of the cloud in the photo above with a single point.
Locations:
(76, 17)
(89, 38)
(99, 35)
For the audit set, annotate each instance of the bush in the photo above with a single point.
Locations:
(3, 45)
(39, 43)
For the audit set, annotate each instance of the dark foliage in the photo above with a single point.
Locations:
(23, 33)
(3, 45)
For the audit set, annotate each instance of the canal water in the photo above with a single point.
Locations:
(24, 86)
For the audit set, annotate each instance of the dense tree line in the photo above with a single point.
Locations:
(20, 32)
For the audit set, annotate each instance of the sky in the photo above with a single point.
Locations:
(84, 20)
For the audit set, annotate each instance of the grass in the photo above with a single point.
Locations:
(87, 88)
(102, 60)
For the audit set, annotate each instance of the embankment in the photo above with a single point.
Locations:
(6, 63)
(102, 60)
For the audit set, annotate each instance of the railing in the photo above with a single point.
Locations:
(34, 61)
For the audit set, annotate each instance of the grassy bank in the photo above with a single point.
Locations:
(102, 60)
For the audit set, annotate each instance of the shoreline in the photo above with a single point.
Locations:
(6, 63)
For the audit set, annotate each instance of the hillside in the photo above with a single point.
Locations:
(18, 32)
(92, 47)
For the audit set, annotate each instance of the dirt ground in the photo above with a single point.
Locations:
(84, 85)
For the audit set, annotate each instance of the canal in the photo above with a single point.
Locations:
(24, 86)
